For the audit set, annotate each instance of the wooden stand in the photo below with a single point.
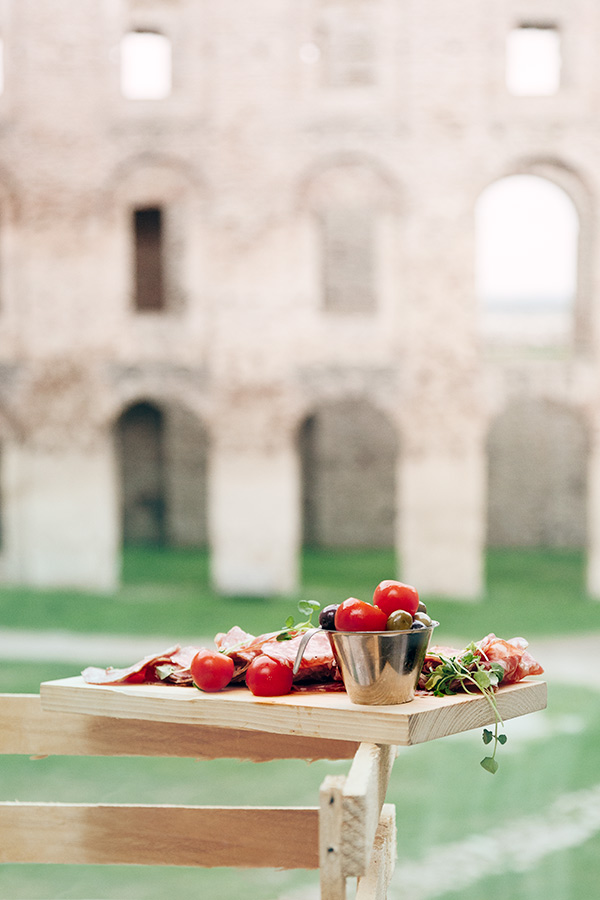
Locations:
(351, 834)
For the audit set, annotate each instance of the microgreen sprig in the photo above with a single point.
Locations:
(291, 628)
(469, 673)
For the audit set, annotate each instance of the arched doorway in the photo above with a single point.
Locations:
(162, 456)
(537, 453)
(348, 451)
(141, 454)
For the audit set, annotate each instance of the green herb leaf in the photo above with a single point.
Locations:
(502, 738)
(308, 607)
(481, 679)
(489, 764)
(487, 736)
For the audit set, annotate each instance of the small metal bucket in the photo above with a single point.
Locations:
(380, 667)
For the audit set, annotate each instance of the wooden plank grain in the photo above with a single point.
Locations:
(97, 834)
(363, 798)
(319, 715)
(374, 884)
(25, 728)
(452, 716)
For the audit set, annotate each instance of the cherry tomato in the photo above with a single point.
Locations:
(268, 677)
(211, 670)
(356, 615)
(392, 595)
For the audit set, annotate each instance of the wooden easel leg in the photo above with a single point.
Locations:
(333, 881)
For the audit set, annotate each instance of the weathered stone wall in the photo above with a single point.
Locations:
(284, 115)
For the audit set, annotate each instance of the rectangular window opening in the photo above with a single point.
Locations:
(533, 60)
(149, 276)
(145, 65)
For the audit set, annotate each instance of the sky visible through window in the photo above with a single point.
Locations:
(533, 61)
(145, 66)
(527, 231)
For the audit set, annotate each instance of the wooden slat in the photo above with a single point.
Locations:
(333, 880)
(159, 835)
(326, 715)
(374, 884)
(26, 728)
(363, 798)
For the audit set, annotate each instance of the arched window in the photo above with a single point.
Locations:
(527, 232)
(145, 65)
(349, 205)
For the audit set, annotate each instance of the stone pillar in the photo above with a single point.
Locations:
(60, 518)
(441, 523)
(254, 500)
(58, 481)
(442, 482)
(593, 502)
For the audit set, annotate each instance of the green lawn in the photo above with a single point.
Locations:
(505, 830)
(538, 593)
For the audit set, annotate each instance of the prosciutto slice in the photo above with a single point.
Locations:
(511, 654)
(317, 665)
(172, 665)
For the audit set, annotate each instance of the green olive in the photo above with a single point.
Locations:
(424, 618)
(399, 620)
(421, 607)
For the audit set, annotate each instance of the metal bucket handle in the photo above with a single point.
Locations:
(302, 647)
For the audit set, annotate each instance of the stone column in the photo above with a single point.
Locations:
(60, 517)
(442, 483)
(593, 516)
(59, 484)
(441, 539)
(254, 498)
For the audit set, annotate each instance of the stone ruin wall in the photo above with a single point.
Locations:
(255, 157)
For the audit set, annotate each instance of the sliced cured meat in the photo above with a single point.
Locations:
(512, 655)
(318, 662)
(172, 665)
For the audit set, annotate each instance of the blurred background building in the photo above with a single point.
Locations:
(290, 272)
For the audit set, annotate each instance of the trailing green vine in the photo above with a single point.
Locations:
(470, 673)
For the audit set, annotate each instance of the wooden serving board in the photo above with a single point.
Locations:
(323, 715)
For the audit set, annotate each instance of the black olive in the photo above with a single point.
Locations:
(417, 625)
(327, 617)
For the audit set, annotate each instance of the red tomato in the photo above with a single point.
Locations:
(268, 677)
(211, 670)
(356, 615)
(392, 595)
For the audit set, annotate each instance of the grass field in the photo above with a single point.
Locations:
(531, 832)
(538, 592)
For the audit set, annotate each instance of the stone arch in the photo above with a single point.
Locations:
(576, 190)
(348, 451)
(162, 458)
(537, 464)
